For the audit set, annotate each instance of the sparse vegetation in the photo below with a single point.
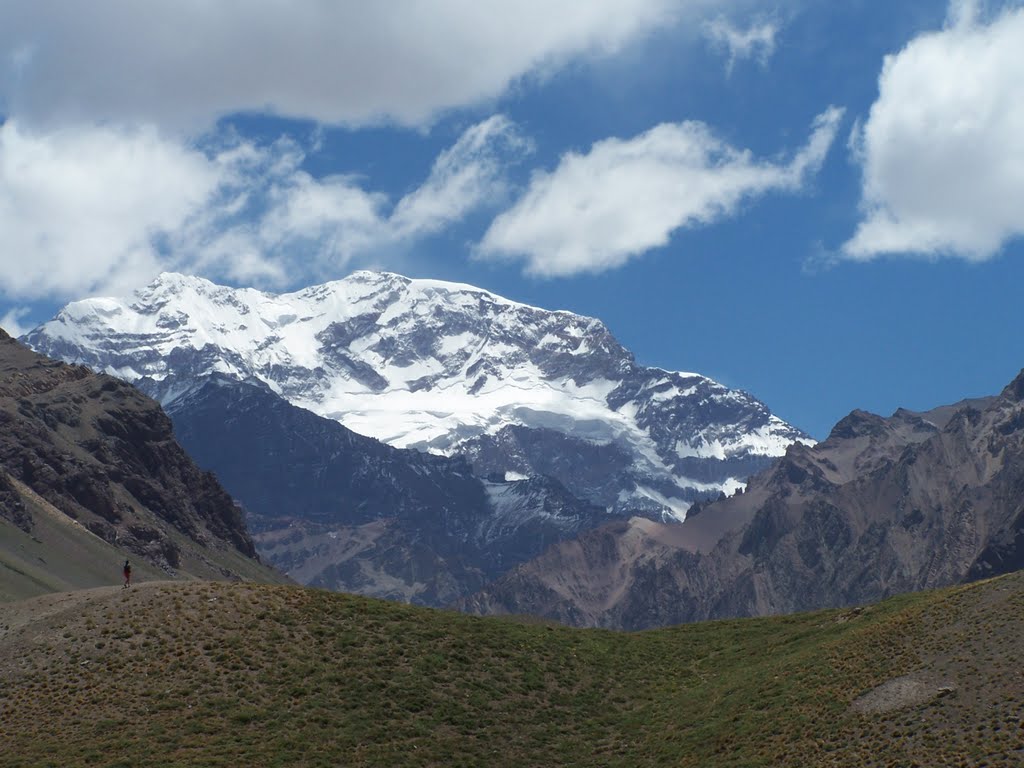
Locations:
(210, 674)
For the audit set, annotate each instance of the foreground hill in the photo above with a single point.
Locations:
(90, 474)
(215, 674)
(883, 506)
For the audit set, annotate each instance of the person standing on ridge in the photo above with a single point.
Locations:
(127, 575)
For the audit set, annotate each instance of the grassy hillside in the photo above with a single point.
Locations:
(209, 674)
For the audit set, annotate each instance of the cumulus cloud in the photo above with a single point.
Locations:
(942, 149)
(78, 207)
(184, 64)
(104, 208)
(755, 42)
(596, 211)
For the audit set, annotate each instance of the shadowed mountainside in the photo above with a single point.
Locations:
(338, 510)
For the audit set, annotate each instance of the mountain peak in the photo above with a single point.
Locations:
(434, 365)
(1015, 389)
(858, 424)
(376, 275)
(175, 280)
(174, 283)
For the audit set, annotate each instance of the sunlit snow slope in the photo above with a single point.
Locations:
(447, 368)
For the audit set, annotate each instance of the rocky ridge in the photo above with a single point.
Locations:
(883, 506)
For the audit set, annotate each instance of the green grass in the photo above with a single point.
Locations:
(242, 675)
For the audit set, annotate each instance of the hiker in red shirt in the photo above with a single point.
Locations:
(127, 574)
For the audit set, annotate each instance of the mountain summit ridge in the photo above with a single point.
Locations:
(443, 367)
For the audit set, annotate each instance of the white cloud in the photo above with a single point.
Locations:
(755, 42)
(175, 63)
(942, 149)
(596, 211)
(102, 209)
(469, 171)
(78, 207)
(11, 321)
(329, 221)
(962, 13)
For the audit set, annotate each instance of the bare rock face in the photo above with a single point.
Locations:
(104, 455)
(12, 506)
(883, 506)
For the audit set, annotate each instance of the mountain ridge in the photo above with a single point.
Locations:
(442, 367)
(884, 505)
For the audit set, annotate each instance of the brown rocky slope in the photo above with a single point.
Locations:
(883, 506)
(90, 471)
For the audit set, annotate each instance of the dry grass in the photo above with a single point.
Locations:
(203, 674)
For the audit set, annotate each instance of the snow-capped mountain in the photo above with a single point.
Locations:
(445, 368)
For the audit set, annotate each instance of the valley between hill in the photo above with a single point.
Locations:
(208, 674)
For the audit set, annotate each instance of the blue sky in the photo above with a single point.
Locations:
(820, 203)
